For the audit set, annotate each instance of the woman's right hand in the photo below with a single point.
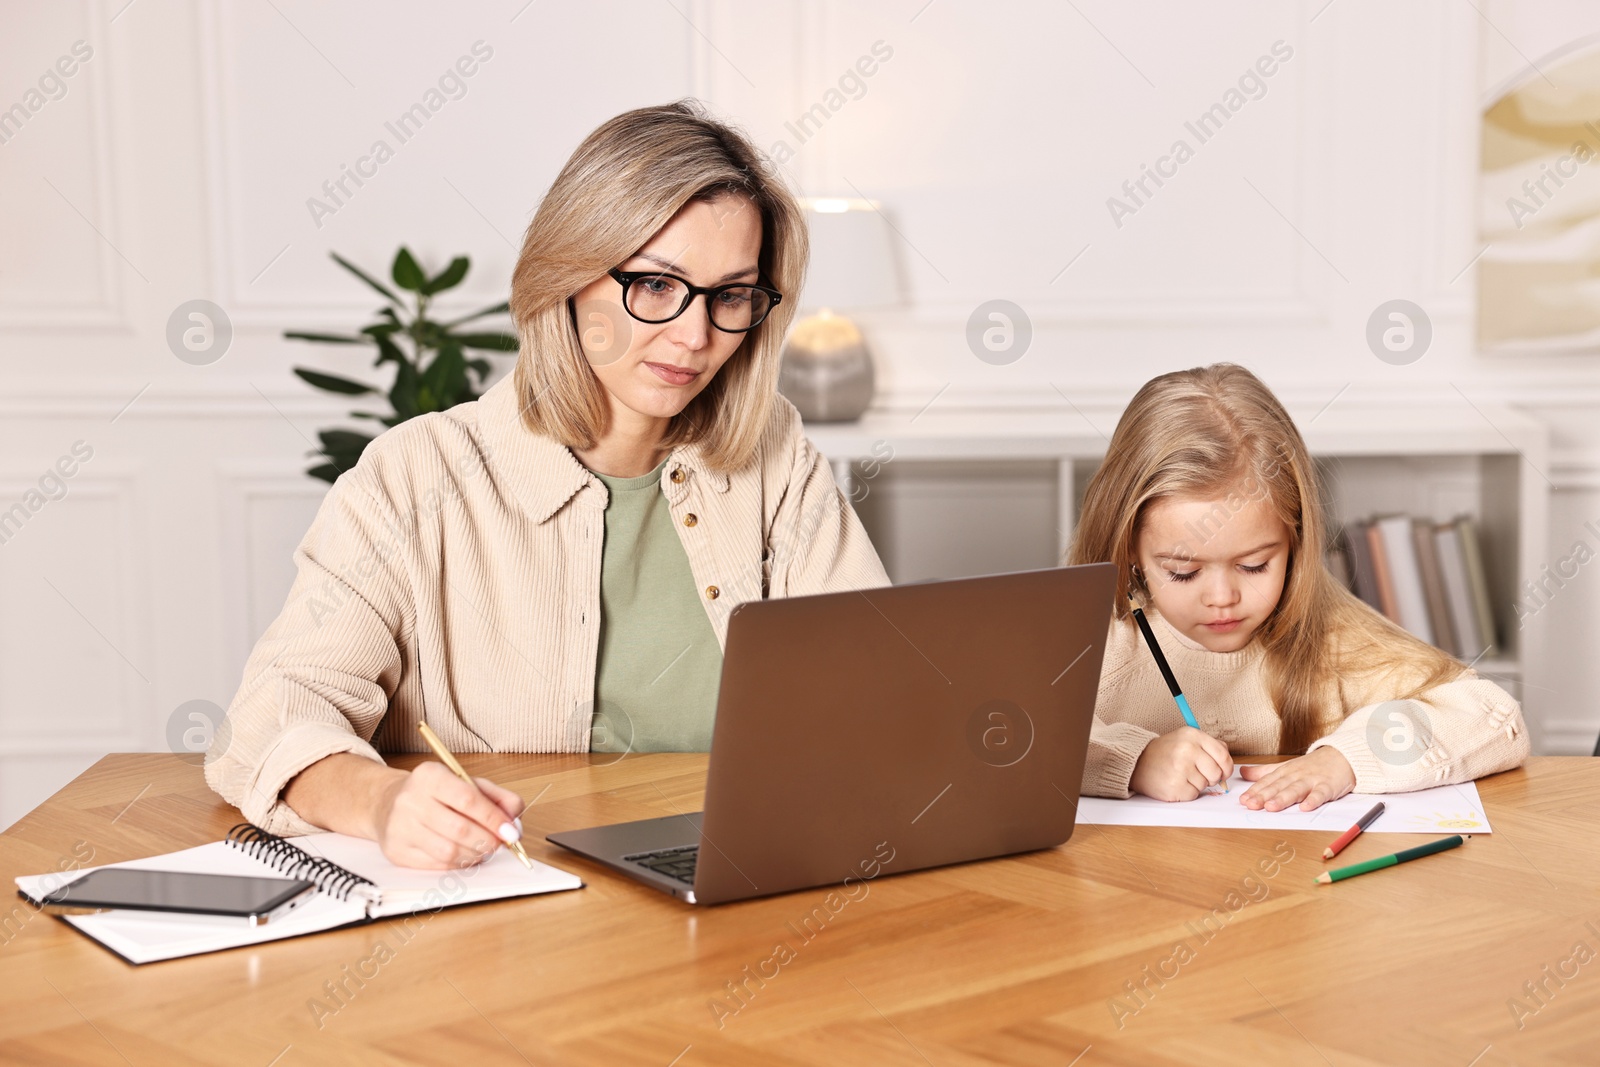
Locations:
(430, 818)
(1181, 765)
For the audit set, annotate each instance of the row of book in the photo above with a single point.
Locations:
(1428, 577)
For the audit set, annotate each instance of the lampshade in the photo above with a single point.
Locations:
(852, 257)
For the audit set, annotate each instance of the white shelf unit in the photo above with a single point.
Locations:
(1434, 462)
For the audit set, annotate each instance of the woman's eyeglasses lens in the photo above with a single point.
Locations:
(660, 298)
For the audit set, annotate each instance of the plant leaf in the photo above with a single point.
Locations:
(440, 377)
(343, 448)
(388, 351)
(497, 342)
(445, 378)
(448, 278)
(431, 334)
(336, 441)
(403, 394)
(407, 275)
(333, 383)
(387, 420)
(502, 308)
(327, 338)
(326, 471)
(364, 276)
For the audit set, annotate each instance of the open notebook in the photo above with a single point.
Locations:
(356, 884)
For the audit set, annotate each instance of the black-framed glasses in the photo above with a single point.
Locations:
(654, 297)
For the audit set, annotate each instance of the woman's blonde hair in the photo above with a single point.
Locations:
(623, 184)
(1218, 432)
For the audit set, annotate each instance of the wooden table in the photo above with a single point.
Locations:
(1026, 960)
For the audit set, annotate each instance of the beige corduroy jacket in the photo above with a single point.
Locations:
(454, 575)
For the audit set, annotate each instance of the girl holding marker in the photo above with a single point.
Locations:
(1211, 508)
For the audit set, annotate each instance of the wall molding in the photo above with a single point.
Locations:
(45, 400)
(1575, 471)
(240, 483)
(1122, 308)
(123, 484)
(103, 401)
(215, 36)
(109, 313)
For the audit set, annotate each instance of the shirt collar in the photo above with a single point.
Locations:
(542, 473)
(692, 458)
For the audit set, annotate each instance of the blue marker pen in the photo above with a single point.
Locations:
(1166, 671)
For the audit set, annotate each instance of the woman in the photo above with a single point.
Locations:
(551, 568)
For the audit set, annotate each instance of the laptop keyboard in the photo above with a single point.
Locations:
(673, 862)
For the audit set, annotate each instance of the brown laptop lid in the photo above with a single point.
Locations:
(935, 723)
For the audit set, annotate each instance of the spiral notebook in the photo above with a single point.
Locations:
(356, 884)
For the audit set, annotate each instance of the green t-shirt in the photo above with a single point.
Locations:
(660, 664)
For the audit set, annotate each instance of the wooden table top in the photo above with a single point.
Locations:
(1131, 946)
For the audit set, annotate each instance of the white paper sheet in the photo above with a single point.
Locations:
(1445, 809)
(406, 889)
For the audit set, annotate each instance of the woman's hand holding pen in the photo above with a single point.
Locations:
(1310, 781)
(1181, 765)
(430, 818)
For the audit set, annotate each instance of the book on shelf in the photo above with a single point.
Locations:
(1363, 576)
(1429, 578)
(1433, 586)
(1380, 567)
(1339, 560)
(1458, 591)
(1472, 553)
(1405, 575)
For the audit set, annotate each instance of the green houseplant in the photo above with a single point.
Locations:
(432, 370)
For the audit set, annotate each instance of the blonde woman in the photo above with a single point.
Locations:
(1210, 507)
(551, 568)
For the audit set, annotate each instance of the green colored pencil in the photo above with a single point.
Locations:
(1441, 845)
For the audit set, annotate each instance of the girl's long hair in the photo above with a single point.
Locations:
(623, 184)
(1218, 433)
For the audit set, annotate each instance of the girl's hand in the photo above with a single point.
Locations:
(1310, 781)
(1181, 765)
(431, 818)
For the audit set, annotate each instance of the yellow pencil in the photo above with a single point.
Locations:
(450, 761)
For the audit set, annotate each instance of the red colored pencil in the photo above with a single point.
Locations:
(1354, 832)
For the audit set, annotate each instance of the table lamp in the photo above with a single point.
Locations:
(827, 366)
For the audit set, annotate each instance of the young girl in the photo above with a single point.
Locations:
(1209, 505)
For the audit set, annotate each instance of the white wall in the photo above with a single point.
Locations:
(178, 163)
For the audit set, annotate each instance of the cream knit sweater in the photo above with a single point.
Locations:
(1455, 732)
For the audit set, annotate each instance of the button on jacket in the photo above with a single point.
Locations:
(454, 575)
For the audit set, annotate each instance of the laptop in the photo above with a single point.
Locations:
(882, 731)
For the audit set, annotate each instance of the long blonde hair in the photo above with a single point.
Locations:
(623, 184)
(1201, 434)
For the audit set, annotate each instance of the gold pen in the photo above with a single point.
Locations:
(450, 761)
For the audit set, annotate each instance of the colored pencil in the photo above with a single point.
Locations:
(1352, 833)
(1441, 845)
(1166, 669)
